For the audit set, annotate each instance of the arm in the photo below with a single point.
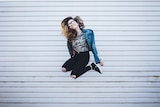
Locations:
(94, 51)
(70, 49)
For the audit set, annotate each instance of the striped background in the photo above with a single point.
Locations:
(32, 50)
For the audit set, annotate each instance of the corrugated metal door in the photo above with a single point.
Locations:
(32, 50)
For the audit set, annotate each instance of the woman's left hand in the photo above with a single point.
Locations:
(101, 63)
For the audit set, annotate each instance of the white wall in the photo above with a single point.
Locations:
(32, 50)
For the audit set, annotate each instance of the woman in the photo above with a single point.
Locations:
(79, 42)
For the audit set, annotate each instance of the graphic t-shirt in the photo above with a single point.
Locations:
(79, 43)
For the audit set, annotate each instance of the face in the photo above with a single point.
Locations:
(72, 24)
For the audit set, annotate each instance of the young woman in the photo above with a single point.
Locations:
(79, 42)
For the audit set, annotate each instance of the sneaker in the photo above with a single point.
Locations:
(96, 68)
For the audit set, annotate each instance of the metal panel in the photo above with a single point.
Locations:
(32, 50)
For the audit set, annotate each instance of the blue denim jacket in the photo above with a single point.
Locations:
(89, 36)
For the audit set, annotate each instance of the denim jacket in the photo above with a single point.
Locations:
(89, 36)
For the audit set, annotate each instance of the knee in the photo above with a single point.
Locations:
(64, 69)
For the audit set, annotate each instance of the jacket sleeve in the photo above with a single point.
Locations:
(94, 50)
(70, 50)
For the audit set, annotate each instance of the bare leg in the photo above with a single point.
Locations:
(64, 69)
(73, 76)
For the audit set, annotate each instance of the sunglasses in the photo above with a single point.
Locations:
(71, 23)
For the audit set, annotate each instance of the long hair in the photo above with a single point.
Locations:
(70, 33)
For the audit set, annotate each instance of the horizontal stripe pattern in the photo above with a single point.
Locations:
(32, 50)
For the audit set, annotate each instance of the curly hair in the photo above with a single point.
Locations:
(70, 33)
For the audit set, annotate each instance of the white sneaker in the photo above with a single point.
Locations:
(96, 67)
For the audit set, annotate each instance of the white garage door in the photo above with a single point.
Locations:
(32, 50)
